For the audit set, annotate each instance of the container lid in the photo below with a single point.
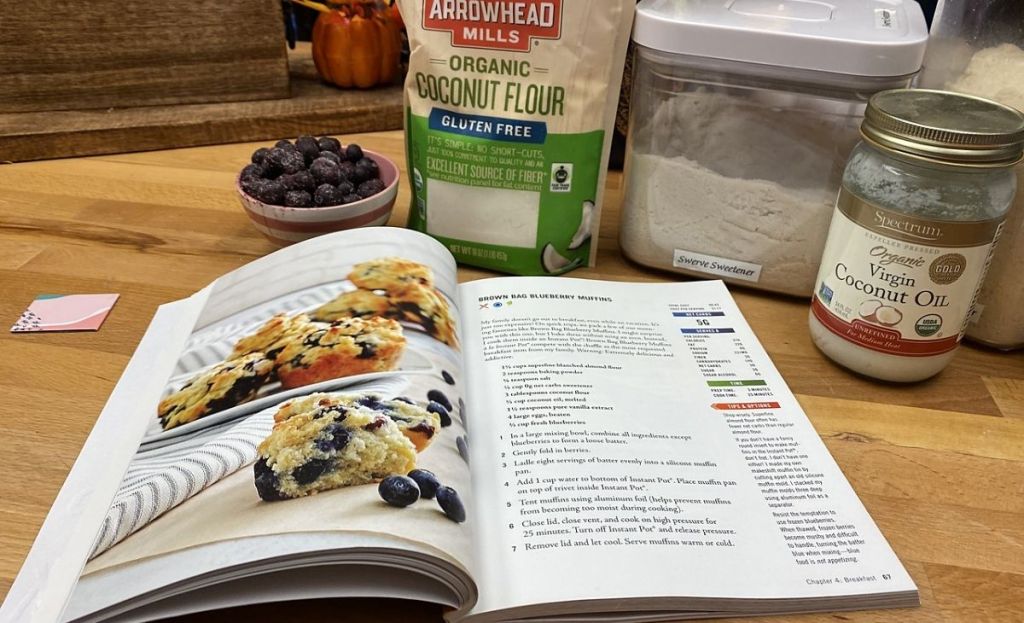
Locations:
(946, 127)
(855, 37)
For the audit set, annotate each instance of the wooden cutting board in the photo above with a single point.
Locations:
(313, 108)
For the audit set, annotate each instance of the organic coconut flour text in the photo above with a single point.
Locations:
(509, 110)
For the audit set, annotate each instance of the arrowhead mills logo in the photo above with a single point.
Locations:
(495, 24)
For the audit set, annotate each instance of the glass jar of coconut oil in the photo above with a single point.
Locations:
(922, 203)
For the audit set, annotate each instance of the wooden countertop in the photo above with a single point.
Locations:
(939, 465)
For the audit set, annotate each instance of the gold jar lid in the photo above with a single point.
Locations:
(945, 127)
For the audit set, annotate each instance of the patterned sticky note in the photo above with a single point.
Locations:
(65, 312)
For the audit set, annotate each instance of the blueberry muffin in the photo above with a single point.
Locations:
(273, 336)
(221, 387)
(330, 445)
(415, 422)
(343, 348)
(391, 274)
(354, 304)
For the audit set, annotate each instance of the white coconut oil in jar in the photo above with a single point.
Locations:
(923, 199)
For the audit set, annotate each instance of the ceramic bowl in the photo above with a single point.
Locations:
(284, 225)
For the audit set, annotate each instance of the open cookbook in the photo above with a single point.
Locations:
(581, 451)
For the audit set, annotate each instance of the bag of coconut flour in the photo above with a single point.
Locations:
(509, 113)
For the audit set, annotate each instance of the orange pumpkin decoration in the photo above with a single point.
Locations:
(357, 44)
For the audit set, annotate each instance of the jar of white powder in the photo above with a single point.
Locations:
(978, 48)
(923, 201)
(742, 116)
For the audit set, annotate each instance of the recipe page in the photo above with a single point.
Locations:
(635, 440)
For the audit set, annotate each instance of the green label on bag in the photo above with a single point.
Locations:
(503, 193)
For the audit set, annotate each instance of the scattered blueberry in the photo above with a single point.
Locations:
(400, 491)
(333, 438)
(327, 195)
(438, 396)
(434, 407)
(370, 188)
(463, 446)
(260, 155)
(427, 482)
(351, 198)
(329, 143)
(298, 199)
(448, 500)
(354, 153)
(448, 378)
(325, 171)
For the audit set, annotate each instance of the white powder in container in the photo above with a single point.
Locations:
(998, 73)
(736, 189)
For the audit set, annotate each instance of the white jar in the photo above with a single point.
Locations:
(923, 201)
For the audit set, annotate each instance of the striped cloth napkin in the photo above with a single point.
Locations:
(160, 479)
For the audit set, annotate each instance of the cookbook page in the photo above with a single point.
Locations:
(635, 440)
(307, 377)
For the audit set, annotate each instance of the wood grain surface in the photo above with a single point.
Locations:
(939, 465)
(313, 106)
(104, 53)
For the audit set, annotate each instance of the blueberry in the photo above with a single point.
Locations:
(308, 147)
(311, 470)
(438, 396)
(360, 174)
(448, 500)
(354, 153)
(399, 491)
(327, 195)
(260, 155)
(330, 155)
(333, 438)
(298, 199)
(266, 481)
(303, 180)
(370, 164)
(252, 170)
(446, 418)
(286, 160)
(370, 402)
(267, 191)
(329, 143)
(351, 198)
(284, 144)
(346, 188)
(463, 446)
(325, 172)
(427, 481)
(347, 169)
(370, 188)
(448, 378)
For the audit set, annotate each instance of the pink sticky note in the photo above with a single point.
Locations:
(65, 312)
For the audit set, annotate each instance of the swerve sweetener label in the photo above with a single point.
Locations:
(898, 284)
(505, 126)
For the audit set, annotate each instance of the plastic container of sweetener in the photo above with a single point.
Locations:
(508, 124)
(742, 116)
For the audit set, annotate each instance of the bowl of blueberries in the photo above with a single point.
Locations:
(297, 190)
